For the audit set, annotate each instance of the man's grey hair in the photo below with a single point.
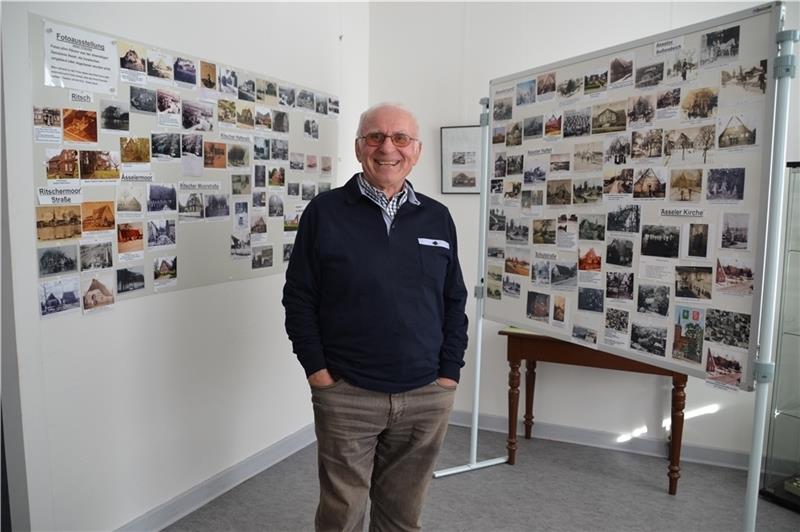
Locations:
(383, 105)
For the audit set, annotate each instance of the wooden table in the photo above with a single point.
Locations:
(533, 348)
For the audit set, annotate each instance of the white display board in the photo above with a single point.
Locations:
(158, 170)
(627, 196)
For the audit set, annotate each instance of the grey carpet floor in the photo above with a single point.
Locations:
(553, 487)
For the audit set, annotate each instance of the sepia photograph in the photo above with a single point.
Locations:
(64, 164)
(728, 328)
(538, 306)
(570, 87)
(586, 191)
(59, 295)
(190, 206)
(559, 162)
(619, 285)
(226, 111)
(617, 319)
(687, 343)
(165, 271)
(214, 155)
(650, 183)
(97, 291)
(697, 246)
(724, 368)
(58, 222)
(131, 56)
(734, 276)
(735, 230)
(649, 339)
(719, 46)
(130, 238)
(725, 184)
(589, 260)
(97, 216)
(161, 197)
(647, 143)
(47, 117)
(115, 116)
(159, 65)
(134, 149)
(166, 147)
(258, 224)
(245, 114)
(620, 70)
(693, 282)
(197, 115)
(533, 127)
(57, 259)
(512, 192)
(518, 261)
(618, 181)
(544, 231)
(238, 156)
(625, 219)
(514, 134)
(526, 92)
(649, 75)
(641, 109)
(464, 178)
(736, 130)
(130, 279)
(559, 192)
(743, 82)
(653, 299)
(686, 184)
(588, 157)
(564, 274)
(577, 122)
(620, 252)
(262, 257)
(592, 227)
(668, 99)
(546, 85)
(552, 125)
(700, 104)
(689, 145)
(168, 102)
(609, 117)
(80, 125)
(499, 135)
(208, 75)
(216, 206)
(263, 119)
(617, 149)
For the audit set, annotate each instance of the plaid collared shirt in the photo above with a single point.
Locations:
(389, 206)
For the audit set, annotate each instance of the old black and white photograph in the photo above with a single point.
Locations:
(512, 193)
(693, 282)
(311, 129)
(526, 92)
(500, 164)
(241, 217)
(495, 186)
(514, 164)
(619, 285)
(559, 192)
(742, 82)
(280, 149)
(130, 279)
(132, 56)
(621, 69)
(564, 274)
(497, 220)
(546, 85)
(590, 299)
(503, 108)
(308, 190)
(263, 119)
(584, 334)
(700, 104)
(293, 189)
(641, 109)
(577, 122)
(161, 233)
(159, 65)
(595, 80)
(538, 306)
(609, 117)
(533, 127)
(585, 191)
(130, 198)
(166, 147)
(728, 328)
(517, 231)
(649, 339)
(617, 319)
(190, 206)
(625, 219)
(668, 99)
(245, 114)
(198, 115)
(588, 157)
(192, 154)
(725, 184)
(240, 245)
(115, 116)
(686, 185)
(544, 231)
(649, 75)
(262, 257)
(690, 145)
(682, 65)
(57, 259)
(286, 95)
(258, 225)
(734, 276)
(735, 230)
(216, 206)
(559, 162)
(737, 130)
(305, 99)
(275, 205)
(540, 272)
(260, 148)
(650, 183)
(647, 143)
(514, 134)
(280, 121)
(697, 246)
(59, 294)
(619, 252)
(618, 181)
(592, 227)
(161, 197)
(240, 184)
(719, 46)
(496, 252)
(536, 169)
(511, 287)
(617, 149)
(168, 105)
(567, 88)
(185, 71)
(653, 299)
(238, 155)
(321, 104)
(288, 247)
(228, 81)
(661, 241)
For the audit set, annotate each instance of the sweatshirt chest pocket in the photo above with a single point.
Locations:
(434, 257)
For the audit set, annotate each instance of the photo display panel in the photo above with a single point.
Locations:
(158, 170)
(627, 196)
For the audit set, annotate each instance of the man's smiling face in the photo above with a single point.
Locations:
(386, 166)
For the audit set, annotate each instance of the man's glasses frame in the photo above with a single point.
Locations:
(377, 138)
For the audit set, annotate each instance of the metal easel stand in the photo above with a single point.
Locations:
(773, 257)
(480, 294)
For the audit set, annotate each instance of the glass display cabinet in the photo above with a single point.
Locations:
(780, 481)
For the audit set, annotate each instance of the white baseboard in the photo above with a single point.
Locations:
(189, 501)
(605, 440)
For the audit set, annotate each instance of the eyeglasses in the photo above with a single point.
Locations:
(401, 140)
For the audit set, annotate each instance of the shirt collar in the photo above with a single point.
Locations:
(366, 188)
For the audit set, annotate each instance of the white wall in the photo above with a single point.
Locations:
(441, 70)
(126, 409)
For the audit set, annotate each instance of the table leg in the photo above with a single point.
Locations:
(678, 404)
(530, 383)
(513, 406)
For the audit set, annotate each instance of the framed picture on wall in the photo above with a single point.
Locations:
(461, 159)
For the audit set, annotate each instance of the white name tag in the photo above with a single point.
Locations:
(435, 243)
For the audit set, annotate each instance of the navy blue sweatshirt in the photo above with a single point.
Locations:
(383, 311)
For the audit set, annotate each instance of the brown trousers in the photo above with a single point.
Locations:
(379, 446)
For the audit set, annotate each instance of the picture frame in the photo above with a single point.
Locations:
(461, 159)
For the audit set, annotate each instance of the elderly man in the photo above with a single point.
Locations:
(374, 302)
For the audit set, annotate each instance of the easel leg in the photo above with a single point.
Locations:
(678, 404)
(513, 407)
(530, 383)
